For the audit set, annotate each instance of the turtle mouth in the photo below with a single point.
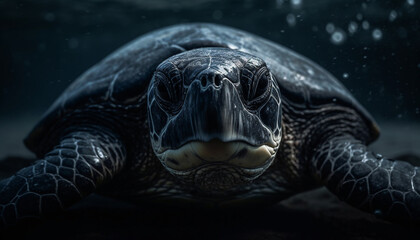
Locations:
(198, 154)
(216, 166)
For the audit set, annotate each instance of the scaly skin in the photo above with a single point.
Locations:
(389, 189)
(73, 169)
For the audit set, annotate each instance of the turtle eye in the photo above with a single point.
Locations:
(163, 92)
(166, 94)
(163, 87)
(261, 83)
(256, 89)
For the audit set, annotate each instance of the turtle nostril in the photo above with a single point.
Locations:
(210, 78)
(217, 80)
(203, 81)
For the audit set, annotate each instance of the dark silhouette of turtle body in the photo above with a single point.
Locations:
(212, 115)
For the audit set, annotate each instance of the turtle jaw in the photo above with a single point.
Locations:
(235, 153)
(218, 166)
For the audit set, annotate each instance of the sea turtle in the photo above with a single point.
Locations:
(207, 115)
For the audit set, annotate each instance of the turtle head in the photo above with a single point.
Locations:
(214, 117)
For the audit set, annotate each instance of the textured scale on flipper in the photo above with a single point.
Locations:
(73, 169)
(380, 186)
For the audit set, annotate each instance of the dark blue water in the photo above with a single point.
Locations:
(373, 47)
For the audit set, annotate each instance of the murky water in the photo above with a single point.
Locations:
(371, 46)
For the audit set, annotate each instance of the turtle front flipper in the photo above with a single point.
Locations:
(73, 169)
(389, 189)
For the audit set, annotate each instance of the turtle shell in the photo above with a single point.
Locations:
(122, 78)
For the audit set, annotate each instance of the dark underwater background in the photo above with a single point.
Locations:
(371, 46)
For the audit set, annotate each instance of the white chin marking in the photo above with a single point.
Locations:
(236, 153)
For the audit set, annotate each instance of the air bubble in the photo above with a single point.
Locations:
(365, 25)
(291, 20)
(377, 34)
(338, 37)
(330, 28)
(410, 2)
(392, 15)
(296, 3)
(352, 28)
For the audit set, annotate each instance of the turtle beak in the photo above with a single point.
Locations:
(236, 153)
